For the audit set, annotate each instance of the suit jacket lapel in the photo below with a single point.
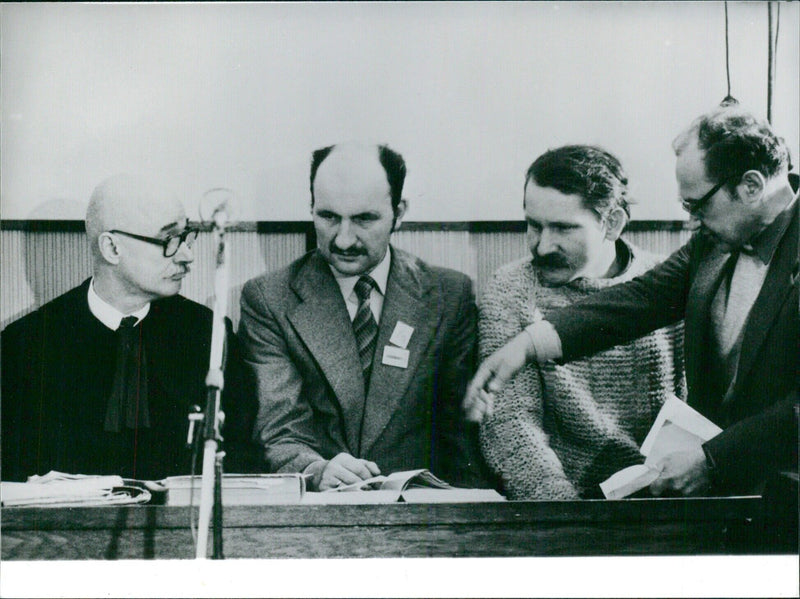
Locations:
(322, 322)
(781, 275)
(698, 319)
(409, 299)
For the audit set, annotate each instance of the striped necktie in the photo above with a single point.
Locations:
(364, 326)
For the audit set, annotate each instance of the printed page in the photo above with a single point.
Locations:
(677, 427)
(628, 480)
(452, 495)
(394, 481)
(351, 498)
(669, 439)
(679, 413)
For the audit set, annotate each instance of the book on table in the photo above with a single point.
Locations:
(239, 489)
(409, 486)
(57, 489)
(677, 427)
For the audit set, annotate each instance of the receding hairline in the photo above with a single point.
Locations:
(124, 196)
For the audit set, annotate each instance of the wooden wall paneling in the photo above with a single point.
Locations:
(451, 249)
(662, 242)
(249, 254)
(493, 251)
(37, 266)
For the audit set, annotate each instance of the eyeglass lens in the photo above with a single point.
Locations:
(173, 243)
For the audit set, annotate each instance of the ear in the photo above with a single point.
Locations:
(402, 206)
(108, 248)
(615, 222)
(751, 187)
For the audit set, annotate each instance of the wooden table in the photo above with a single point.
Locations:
(744, 525)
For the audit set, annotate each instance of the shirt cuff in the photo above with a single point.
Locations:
(545, 342)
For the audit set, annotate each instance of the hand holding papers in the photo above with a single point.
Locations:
(677, 428)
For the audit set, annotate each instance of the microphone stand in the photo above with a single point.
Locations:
(211, 488)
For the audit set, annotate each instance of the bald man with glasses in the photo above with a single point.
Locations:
(736, 285)
(101, 379)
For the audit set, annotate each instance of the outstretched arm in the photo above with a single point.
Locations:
(607, 318)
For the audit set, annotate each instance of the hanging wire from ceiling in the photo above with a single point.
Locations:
(728, 100)
(772, 54)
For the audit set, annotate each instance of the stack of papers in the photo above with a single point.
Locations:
(57, 489)
(677, 428)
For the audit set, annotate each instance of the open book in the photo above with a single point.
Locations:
(239, 489)
(677, 428)
(410, 486)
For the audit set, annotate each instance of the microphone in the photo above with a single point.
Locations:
(218, 207)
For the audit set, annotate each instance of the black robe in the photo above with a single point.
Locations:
(57, 369)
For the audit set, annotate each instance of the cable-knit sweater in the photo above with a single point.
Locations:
(559, 430)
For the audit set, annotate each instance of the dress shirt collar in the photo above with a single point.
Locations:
(379, 274)
(108, 314)
(766, 242)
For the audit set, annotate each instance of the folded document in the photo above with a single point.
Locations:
(57, 489)
(677, 428)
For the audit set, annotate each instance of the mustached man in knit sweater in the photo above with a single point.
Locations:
(557, 431)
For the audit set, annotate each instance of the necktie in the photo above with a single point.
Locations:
(364, 326)
(732, 304)
(128, 400)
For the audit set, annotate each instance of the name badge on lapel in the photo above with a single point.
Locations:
(395, 356)
(401, 334)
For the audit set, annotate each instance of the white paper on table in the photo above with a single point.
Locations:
(628, 480)
(58, 488)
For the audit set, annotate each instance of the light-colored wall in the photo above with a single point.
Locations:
(36, 267)
(238, 94)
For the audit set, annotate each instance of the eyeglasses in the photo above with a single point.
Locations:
(693, 206)
(170, 244)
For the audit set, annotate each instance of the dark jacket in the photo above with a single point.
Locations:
(57, 369)
(759, 413)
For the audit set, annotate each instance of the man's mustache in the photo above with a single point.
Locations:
(551, 261)
(350, 252)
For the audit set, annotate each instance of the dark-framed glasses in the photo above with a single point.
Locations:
(692, 206)
(170, 245)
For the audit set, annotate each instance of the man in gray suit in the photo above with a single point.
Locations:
(361, 351)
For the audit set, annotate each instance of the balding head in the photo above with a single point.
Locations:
(129, 203)
(356, 159)
(127, 220)
(354, 188)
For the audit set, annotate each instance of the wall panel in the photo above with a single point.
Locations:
(38, 266)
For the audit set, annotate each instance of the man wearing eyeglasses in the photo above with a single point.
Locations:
(736, 285)
(101, 379)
